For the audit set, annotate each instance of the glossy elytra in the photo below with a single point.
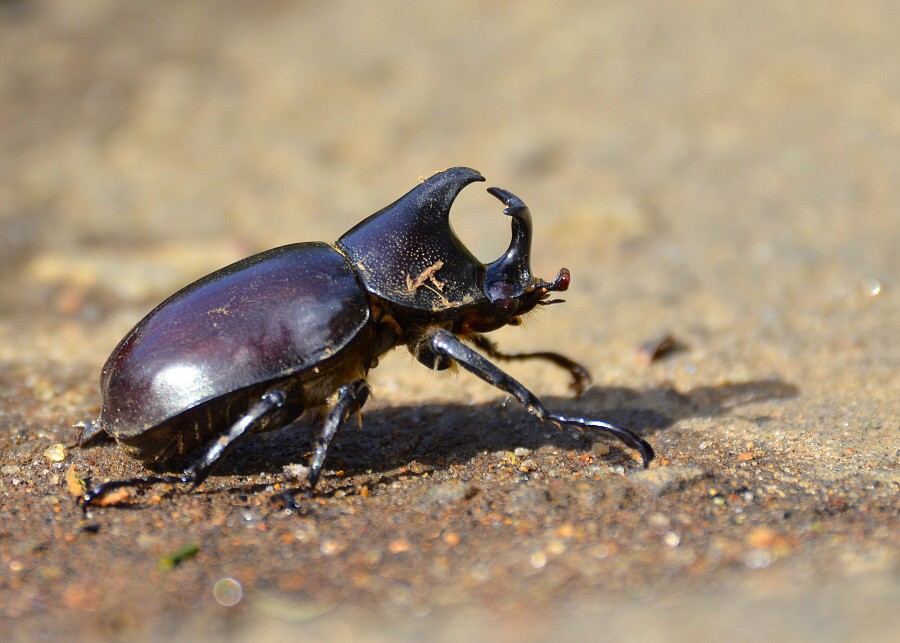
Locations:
(295, 330)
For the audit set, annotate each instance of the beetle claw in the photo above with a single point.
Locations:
(630, 438)
(289, 504)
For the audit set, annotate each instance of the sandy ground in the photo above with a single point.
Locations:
(728, 173)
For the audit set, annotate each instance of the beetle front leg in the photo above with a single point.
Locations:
(197, 472)
(445, 344)
(581, 378)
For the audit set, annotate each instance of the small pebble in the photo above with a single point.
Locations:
(55, 453)
(508, 457)
(556, 547)
(527, 465)
(296, 471)
(654, 349)
(399, 546)
(538, 559)
(329, 547)
(75, 484)
(758, 559)
(657, 482)
(600, 448)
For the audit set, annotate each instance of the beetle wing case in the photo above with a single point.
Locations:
(408, 254)
(260, 319)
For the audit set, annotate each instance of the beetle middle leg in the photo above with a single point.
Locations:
(199, 470)
(351, 398)
(581, 378)
(444, 344)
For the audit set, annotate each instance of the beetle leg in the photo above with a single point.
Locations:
(197, 472)
(581, 378)
(351, 398)
(446, 344)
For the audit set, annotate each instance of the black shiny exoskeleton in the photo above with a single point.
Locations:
(296, 329)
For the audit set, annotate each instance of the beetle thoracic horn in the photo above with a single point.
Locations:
(510, 275)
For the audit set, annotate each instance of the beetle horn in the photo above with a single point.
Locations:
(510, 275)
(399, 248)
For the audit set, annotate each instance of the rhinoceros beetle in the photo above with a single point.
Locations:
(295, 330)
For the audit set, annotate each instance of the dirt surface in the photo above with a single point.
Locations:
(727, 173)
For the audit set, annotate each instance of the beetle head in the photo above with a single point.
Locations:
(508, 283)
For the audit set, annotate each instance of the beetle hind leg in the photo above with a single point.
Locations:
(199, 470)
(445, 344)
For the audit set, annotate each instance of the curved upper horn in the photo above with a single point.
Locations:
(510, 275)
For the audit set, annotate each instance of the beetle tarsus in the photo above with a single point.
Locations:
(581, 378)
(445, 343)
(351, 398)
(626, 436)
(102, 489)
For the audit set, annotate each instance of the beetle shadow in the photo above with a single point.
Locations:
(441, 434)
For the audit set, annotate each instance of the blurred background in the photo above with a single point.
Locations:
(193, 133)
(726, 171)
